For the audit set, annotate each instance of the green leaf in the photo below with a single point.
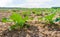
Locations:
(26, 18)
(50, 17)
(12, 27)
(19, 21)
(4, 20)
(57, 19)
(16, 18)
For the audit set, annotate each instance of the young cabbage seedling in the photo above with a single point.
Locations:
(49, 19)
(18, 20)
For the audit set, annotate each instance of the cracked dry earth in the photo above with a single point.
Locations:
(35, 30)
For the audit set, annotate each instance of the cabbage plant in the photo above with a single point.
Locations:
(17, 19)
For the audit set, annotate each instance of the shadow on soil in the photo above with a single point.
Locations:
(32, 31)
(54, 27)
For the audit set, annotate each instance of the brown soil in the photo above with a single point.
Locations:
(35, 30)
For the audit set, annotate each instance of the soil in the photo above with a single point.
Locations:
(35, 30)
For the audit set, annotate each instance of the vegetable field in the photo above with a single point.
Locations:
(30, 22)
